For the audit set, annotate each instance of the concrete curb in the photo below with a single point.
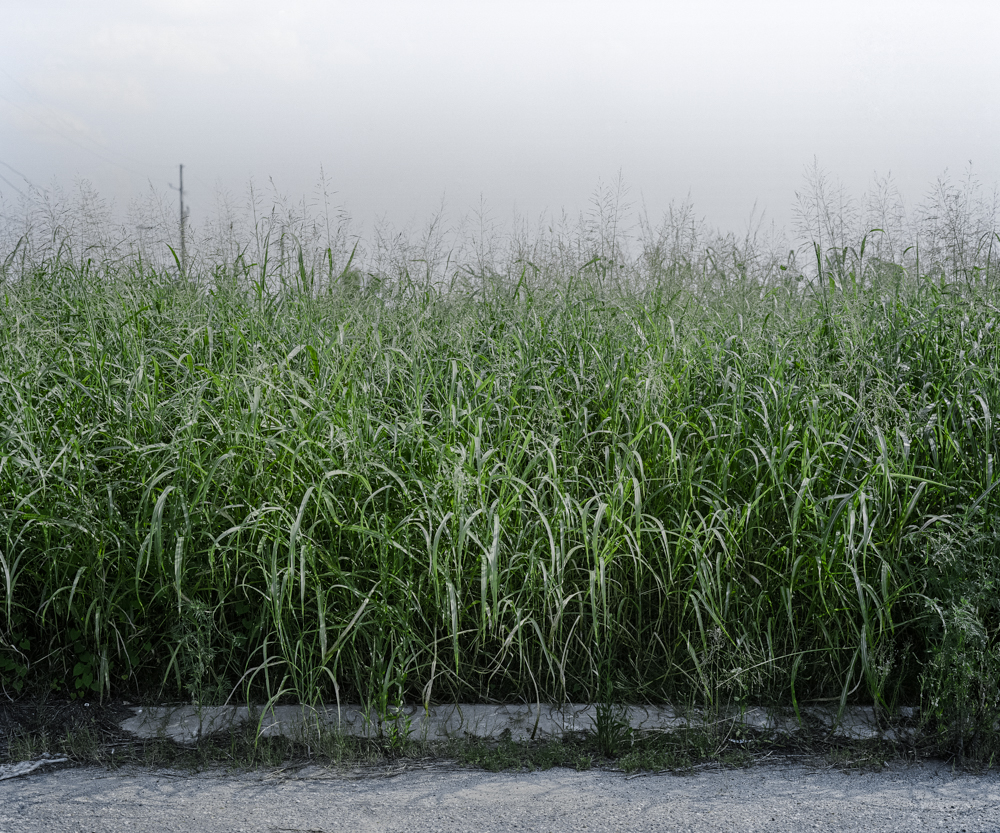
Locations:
(188, 724)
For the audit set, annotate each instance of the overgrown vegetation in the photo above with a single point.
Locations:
(571, 471)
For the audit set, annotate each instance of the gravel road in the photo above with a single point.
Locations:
(904, 797)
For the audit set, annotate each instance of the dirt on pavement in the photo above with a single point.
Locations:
(444, 797)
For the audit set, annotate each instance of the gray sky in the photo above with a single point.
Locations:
(524, 105)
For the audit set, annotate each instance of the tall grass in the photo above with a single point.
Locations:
(579, 474)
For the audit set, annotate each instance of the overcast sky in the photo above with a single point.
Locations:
(526, 106)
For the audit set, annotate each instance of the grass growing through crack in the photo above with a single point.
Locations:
(672, 483)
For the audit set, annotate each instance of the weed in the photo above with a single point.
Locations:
(677, 469)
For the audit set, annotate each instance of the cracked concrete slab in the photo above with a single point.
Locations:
(186, 724)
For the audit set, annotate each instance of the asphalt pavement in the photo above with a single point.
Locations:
(443, 797)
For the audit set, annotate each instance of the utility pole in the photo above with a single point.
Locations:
(183, 222)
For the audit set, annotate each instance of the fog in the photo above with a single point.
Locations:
(396, 112)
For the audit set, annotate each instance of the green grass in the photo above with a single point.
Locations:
(673, 481)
